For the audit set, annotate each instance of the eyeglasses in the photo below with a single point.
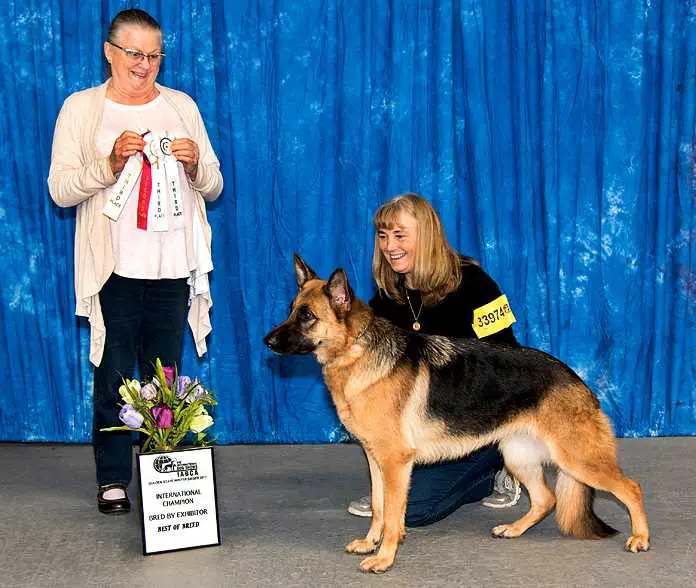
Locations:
(135, 57)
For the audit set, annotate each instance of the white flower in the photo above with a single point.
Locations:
(200, 423)
(129, 391)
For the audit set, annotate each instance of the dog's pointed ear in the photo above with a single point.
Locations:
(339, 292)
(303, 272)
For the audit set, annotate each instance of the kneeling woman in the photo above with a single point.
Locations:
(426, 286)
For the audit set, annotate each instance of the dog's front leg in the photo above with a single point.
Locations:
(374, 535)
(396, 469)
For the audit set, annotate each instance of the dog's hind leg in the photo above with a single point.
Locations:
(575, 490)
(396, 463)
(374, 535)
(587, 459)
(628, 491)
(523, 457)
(584, 447)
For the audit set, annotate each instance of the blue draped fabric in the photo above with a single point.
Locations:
(556, 139)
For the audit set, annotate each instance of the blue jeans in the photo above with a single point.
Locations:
(144, 320)
(438, 490)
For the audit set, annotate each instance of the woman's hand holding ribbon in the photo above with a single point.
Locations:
(186, 151)
(128, 143)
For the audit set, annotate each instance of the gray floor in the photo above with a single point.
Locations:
(283, 523)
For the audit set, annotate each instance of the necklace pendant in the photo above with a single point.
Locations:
(416, 326)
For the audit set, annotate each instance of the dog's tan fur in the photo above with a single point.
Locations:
(383, 404)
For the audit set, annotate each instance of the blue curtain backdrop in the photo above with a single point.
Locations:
(555, 138)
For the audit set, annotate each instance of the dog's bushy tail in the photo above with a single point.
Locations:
(574, 512)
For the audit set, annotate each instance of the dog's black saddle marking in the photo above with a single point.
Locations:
(480, 386)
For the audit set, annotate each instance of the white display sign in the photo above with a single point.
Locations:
(178, 500)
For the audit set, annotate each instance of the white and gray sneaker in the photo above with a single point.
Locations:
(506, 491)
(361, 507)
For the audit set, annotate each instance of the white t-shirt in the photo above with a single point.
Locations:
(145, 254)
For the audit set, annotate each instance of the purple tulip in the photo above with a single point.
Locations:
(164, 417)
(181, 385)
(131, 417)
(148, 392)
(168, 374)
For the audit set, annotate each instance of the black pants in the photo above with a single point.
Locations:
(144, 320)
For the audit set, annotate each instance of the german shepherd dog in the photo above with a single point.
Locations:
(411, 398)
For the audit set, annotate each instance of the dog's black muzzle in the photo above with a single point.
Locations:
(273, 341)
(287, 339)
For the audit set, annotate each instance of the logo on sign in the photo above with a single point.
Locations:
(165, 464)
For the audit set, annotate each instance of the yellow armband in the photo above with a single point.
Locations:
(493, 317)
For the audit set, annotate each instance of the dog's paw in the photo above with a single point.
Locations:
(637, 543)
(362, 546)
(506, 531)
(377, 564)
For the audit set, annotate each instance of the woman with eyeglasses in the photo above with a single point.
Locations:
(135, 159)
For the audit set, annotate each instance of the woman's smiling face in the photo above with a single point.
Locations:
(129, 77)
(398, 243)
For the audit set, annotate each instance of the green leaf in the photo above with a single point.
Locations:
(123, 428)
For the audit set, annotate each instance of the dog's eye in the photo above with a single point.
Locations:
(305, 315)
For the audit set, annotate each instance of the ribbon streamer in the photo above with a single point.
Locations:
(171, 168)
(157, 216)
(144, 193)
(124, 187)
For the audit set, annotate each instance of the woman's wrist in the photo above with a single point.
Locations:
(110, 166)
(192, 173)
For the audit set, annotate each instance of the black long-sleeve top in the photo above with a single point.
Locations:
(453, 316)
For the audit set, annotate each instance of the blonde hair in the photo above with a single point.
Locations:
(437, 267)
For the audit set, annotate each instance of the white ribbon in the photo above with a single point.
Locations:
(165, 182)
(124, 187)
(157, 213)
(171, 168)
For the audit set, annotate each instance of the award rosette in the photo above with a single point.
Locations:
(159, 192)
(178, 500)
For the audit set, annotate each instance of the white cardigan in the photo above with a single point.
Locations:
(78, 176)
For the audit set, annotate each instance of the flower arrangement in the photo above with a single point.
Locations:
(165, 409)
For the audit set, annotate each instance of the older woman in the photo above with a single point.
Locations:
(426, 287)
(135, 159)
